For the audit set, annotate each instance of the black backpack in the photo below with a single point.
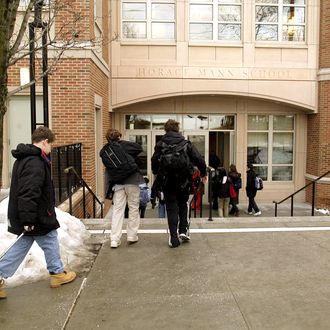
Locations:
(258, 183)
(174, 159)
(119, 164)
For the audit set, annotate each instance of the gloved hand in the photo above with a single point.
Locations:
(28, 228)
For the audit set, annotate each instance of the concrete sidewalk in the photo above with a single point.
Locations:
(228, 280)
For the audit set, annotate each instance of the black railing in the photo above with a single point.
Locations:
(73, 176)
(200, 189)
(313, 183)
(62, 158)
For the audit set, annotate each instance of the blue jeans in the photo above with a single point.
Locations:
(161, 211)
(16, 254)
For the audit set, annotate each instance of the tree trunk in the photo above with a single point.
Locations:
(3, 109)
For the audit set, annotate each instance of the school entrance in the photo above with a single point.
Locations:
(208, 133)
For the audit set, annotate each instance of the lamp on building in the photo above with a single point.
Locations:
(33, 26)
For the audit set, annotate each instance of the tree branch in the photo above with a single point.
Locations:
(22, 29)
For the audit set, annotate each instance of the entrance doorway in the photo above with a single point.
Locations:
(221, 143)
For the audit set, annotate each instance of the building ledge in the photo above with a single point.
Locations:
(324, 74)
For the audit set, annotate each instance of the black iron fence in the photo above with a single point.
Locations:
(63, 157)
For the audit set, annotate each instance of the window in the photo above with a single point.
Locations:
(215, 20)
(270, 146)
(148, 19)
(280, 20)
(25, 3)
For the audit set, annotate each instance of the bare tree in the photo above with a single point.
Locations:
(70, 31)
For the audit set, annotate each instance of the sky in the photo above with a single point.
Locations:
(75, 253)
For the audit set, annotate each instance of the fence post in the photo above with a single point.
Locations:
(313, 198)
(210, 193)
(84, 201)
(275, 209)
(70, 193)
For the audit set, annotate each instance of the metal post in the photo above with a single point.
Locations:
(84, 202)
(292, 206)
(38, 24)
(70, 194)
(32, 77)
(45, 76)
(210, 195)
(94, 208)
(275, 209)
(313, 198)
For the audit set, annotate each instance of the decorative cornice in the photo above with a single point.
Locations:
(323, 74)
(325, 180)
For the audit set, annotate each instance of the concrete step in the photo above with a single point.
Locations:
(103, 226)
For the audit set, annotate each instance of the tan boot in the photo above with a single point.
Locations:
(3, 293)
(57, 280)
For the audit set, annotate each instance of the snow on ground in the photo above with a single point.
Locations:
(75, 254)
(323, 211)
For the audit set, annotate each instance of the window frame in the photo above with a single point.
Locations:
(215, 22)
(280, 24)
(270, 132)
(149, 20)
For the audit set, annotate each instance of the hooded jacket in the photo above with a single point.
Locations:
(251, 189)
(31, 196)
(194, 156)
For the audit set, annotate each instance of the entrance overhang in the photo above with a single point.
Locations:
(299, 94)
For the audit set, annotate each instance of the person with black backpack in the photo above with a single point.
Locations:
(124, 177)
(236, 180)
(251, 190)
(173, 162)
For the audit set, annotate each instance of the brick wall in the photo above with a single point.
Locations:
(318, 143)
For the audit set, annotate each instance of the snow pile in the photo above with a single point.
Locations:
(75, 254)
(323, 211)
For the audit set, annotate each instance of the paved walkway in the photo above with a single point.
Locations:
(245, 275)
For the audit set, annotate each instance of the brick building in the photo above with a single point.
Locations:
(246, 79)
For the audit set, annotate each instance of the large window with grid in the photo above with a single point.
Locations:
(270, 146)
(280, 20)
(148, 19)
(213, 20)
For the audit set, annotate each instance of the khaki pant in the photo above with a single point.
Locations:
(131, 195)
(223, 207)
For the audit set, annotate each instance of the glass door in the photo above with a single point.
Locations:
(200, 139)
(143, 138)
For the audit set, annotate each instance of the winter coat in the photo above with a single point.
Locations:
(133, 149)
(173, 182)
(234, 177)
(222, 183)
(251, 189)
(31, 196)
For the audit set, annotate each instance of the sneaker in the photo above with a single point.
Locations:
(3, 293)
(250, 213)
(56, 280)
(257, 214)
(184, 237)
(115, 244)
(173, 242)
(132, 240)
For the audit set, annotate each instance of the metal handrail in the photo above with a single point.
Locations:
(71, 169)
(298, 191)
(201, 186)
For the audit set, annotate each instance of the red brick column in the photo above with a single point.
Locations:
(318, 143)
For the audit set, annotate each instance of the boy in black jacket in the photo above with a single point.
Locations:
(176, 186)
(31, 210)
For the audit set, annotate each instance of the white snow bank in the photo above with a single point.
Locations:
(72, 235)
